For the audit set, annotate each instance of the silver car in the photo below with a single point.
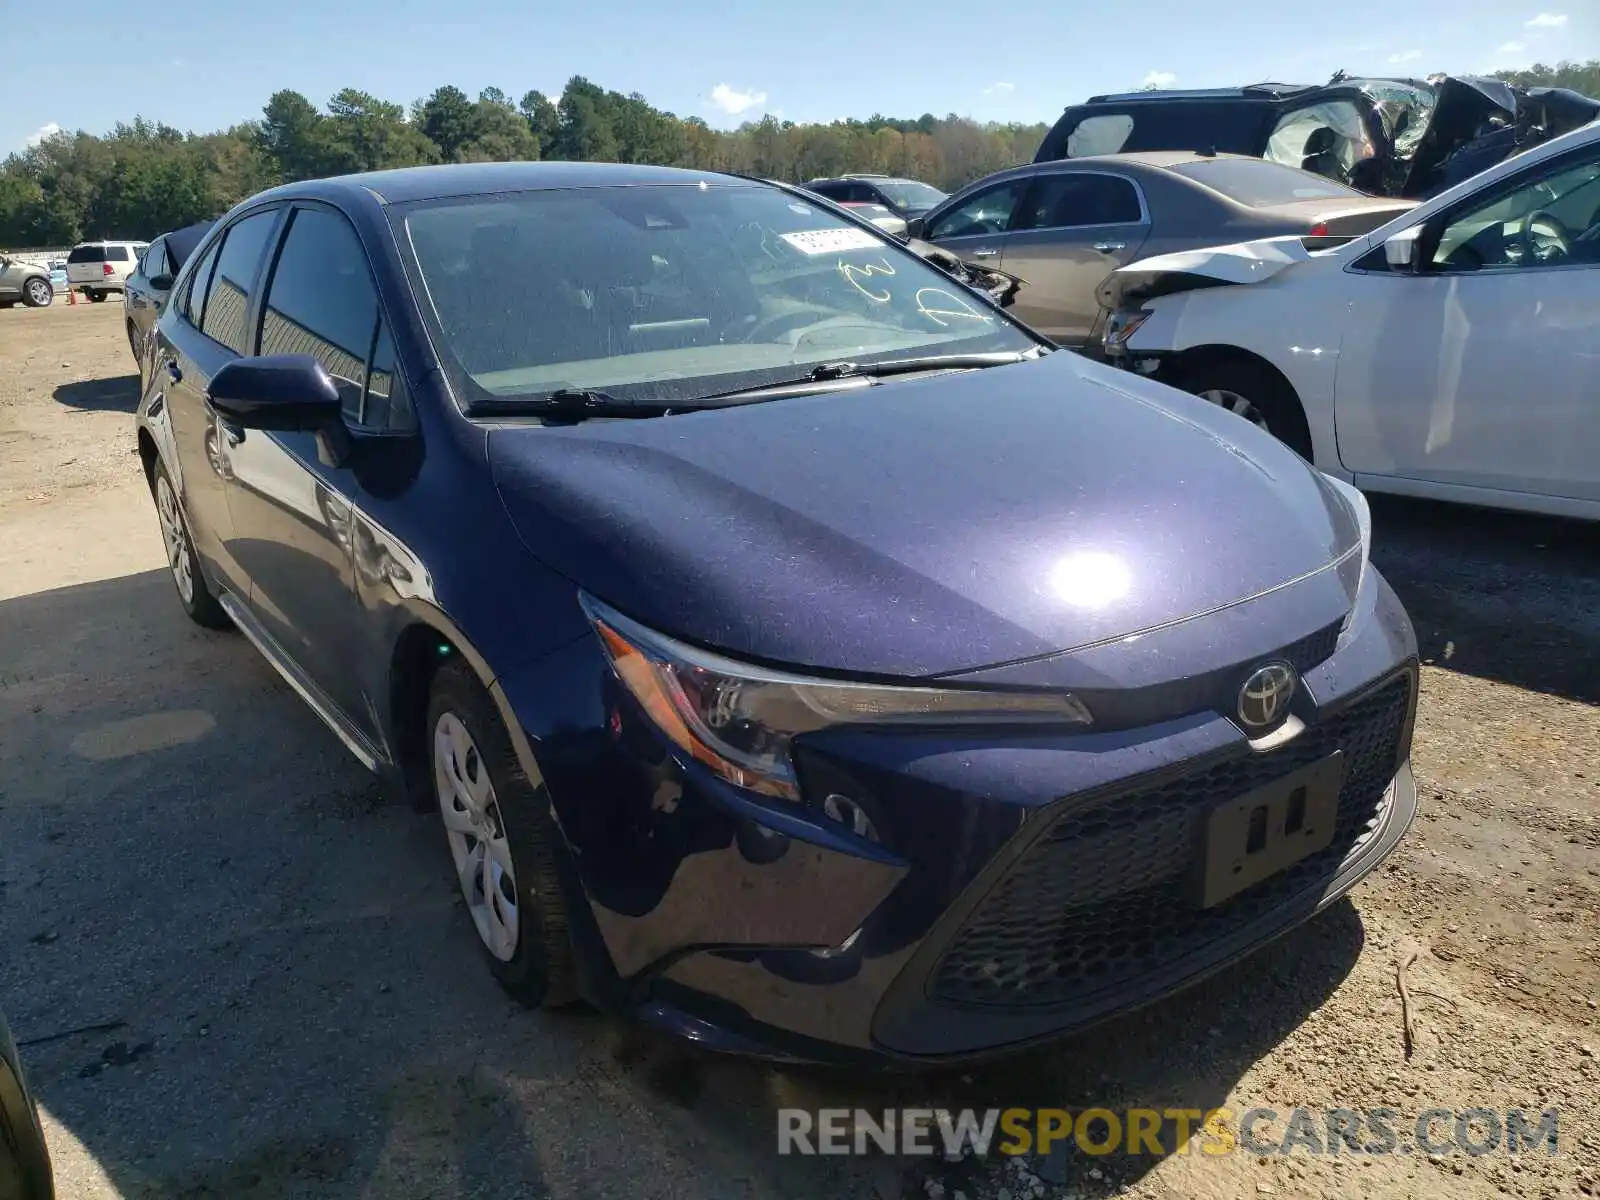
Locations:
(25, 281)
(1064, 226)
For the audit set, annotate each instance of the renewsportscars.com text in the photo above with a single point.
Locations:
(1162, 1131)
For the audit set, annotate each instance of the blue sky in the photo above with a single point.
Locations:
(203, 65)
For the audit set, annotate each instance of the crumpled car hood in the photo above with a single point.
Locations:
(925, 526)
(1241, 262)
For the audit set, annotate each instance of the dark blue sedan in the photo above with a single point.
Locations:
(800, 655)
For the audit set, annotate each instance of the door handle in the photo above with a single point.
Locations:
(985, 252)
(1108, 247)
(173, 372)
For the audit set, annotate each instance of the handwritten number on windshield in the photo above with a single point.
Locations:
(941, 307)
(854, 274)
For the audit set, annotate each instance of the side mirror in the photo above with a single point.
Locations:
(915, 227)
(161, 283)
(1403, 251)
(282, 392)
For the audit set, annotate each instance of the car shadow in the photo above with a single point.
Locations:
(209, 911)
(1497, 595)
(1184, 1053)
(120, 394)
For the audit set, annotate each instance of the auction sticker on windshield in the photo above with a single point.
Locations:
(831, 241)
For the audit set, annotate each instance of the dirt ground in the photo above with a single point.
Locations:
(238, 972)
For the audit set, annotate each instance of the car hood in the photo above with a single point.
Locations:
(1211, 266)
(926, 526)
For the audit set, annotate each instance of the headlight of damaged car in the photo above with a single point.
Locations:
(739, 719)
(1362, 512)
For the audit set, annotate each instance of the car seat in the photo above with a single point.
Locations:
(1321, 155)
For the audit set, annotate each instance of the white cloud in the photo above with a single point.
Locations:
(39, 135)
(1511, 47)
(999, 86)
(1547, 21)
(1160, 79)
(733, 102)
(1405, 56)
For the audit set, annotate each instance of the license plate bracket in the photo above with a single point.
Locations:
(1270, 828)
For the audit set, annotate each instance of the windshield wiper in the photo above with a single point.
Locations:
(853, 374)
(577, 404)
(927, 362)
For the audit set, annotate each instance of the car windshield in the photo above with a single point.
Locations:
(1259, 183)
(672, 292)
(908, 193)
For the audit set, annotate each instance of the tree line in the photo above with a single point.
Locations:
(145, 178)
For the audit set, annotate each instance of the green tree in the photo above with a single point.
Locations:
(448, 119)
(369, 134)
(292, 137)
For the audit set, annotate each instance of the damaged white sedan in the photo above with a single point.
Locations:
(1452, 353)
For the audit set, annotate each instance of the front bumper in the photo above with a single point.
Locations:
(1020, 887)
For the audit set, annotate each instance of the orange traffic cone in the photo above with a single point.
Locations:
(72, 295)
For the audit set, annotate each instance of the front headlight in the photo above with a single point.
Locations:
(1121, 326)
(1362, 512)
(739, 719)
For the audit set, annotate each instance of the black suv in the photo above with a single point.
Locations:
(904, 197)
(1391, 137)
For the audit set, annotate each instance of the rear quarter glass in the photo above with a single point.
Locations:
(117, 253)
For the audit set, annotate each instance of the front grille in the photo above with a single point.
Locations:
(1107, 894)
(1126, 708)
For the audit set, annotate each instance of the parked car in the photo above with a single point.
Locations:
(758, 607)
(25, 1172)
(58, 274)
(884, 218)
(148, 285)
(24, 281)
(906, 198)
(1394, 137)
(1450, 353)
(1064, 226)
(99, 268)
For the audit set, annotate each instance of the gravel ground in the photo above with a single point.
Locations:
(239, 972)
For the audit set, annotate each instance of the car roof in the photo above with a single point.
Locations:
(1158, 158)
(406, 184)
(1252, 92)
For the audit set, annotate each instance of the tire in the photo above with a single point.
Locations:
(492, 814)
(38, 293)
(97, 297)
(1258, 394)
(194, 593)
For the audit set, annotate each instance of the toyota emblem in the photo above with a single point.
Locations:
(1265, 696)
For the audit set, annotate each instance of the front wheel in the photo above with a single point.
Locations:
(193, 592)
(502, 843)
(38, 293)
(1256, 393)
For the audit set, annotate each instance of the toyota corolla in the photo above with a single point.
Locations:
(798, 653)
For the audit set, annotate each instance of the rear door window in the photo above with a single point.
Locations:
(228, 302)
(1067, 199)
(194, 299)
